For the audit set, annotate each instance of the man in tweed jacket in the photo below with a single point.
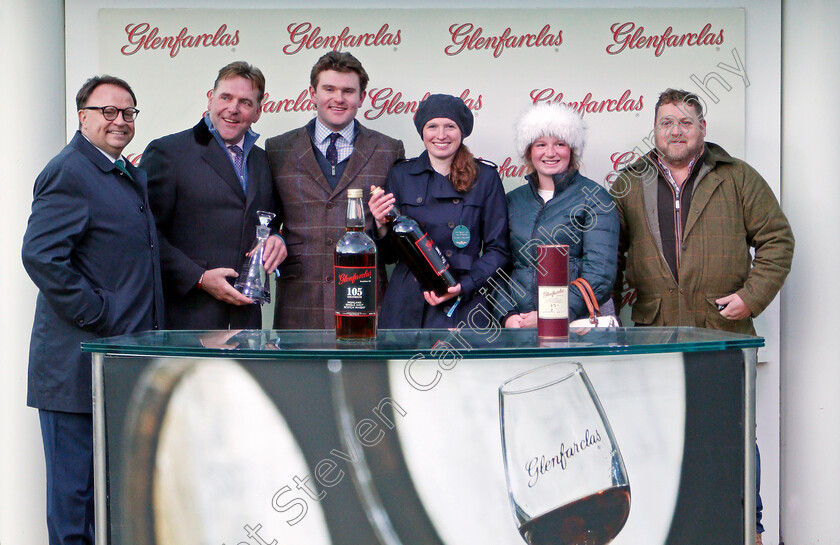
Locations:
(313, 167)
(689, 214)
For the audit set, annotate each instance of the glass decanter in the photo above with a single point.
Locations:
(252, 280)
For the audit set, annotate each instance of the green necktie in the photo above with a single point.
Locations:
(120, 165)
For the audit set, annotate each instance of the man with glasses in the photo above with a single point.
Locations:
(91, 248)
(689, 215)
(206, 185)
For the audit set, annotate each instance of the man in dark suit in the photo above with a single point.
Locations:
(206, 185)
(91, 248)
(313, 167)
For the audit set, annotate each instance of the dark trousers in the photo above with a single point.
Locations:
(759, 507)
(68, 449)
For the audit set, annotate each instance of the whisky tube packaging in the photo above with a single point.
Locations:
(553, 291)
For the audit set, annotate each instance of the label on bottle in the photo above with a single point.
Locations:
(355, 291)
(553, 302)
(432, 254)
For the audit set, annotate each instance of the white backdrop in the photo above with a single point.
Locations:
(45, 40)
(609, 64)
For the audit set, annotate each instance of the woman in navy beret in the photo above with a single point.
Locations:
(459, 202)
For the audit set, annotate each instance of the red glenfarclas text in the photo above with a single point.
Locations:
(589, 106)
(305, 36)
(628, 36)
(468, 36)
(385, 101)
(303, 103)
(344, 278)
(144, 36)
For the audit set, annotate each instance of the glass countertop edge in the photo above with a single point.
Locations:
(525, 345)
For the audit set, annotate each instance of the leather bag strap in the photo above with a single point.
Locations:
(582, 282)
(593, 313)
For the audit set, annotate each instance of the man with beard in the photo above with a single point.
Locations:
(689, 214)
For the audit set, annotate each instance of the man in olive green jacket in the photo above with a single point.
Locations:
(689, 215)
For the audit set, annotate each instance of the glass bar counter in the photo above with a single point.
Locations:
(262, 436)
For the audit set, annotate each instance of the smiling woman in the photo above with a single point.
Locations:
(459, 202)
(557, 205)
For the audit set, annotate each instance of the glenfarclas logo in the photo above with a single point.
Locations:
(620, 160)
(589, 105)
(468, 36)
(386, 101)
(306, 36)
(142, 36)
(629, 36)
(303, 103)
(353, 278)
(509, 169)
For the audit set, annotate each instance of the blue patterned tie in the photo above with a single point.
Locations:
(237, 162)
(332, 151)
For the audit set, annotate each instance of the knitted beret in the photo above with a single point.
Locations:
(446, 106)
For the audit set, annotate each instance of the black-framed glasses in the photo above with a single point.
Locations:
(110, 112)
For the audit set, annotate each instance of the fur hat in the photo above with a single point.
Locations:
(446, 106)
(551, 119)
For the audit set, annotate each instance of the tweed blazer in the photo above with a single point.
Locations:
(313, 217)
(732, 210)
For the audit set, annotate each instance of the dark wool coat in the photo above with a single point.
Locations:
(91, 248)
(205, 221)
(434, 203)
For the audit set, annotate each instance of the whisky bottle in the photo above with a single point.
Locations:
(355, 276)
(418, 251)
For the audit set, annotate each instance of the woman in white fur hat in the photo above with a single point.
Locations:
(558, 205)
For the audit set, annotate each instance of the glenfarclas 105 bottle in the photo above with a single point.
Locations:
(355, 276)
(418, 251)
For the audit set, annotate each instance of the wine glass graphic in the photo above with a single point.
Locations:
(566, 479)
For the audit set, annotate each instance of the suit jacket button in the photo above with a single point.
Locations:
(451, 225)
(330, 205)
(419, 200)
(448, 253)
(330, 242)
(329, 279)
(456, 201)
